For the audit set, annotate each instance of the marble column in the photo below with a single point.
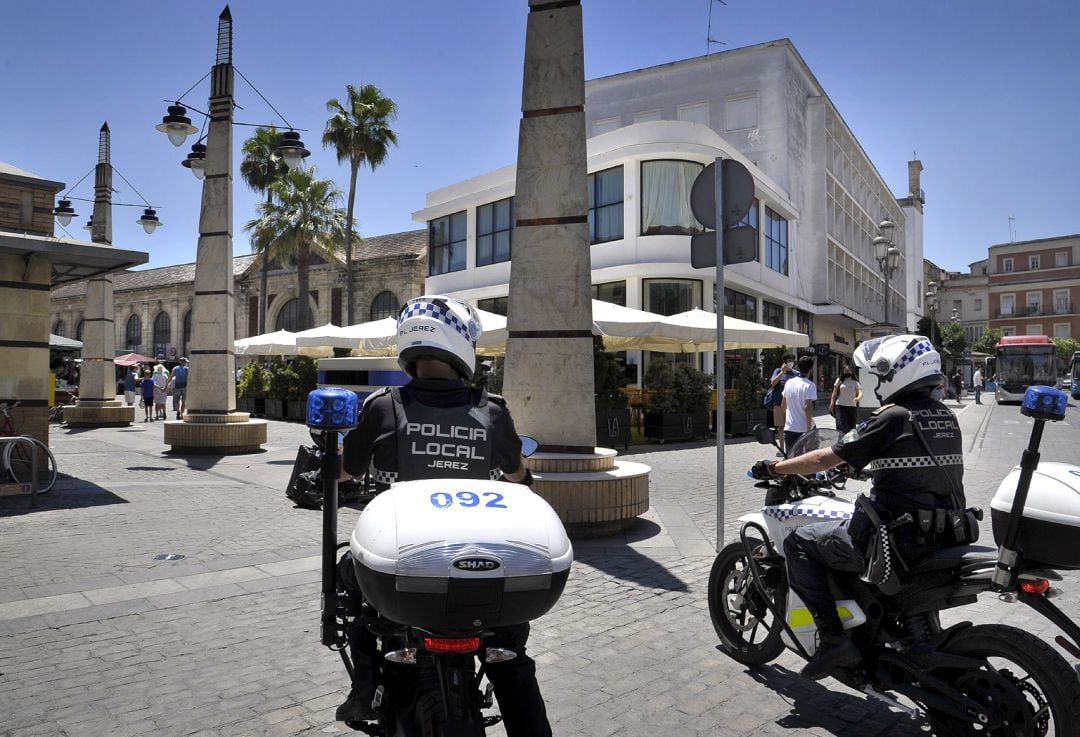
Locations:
(211, 423)
(549, 368)
(549, 357)
(97, 406)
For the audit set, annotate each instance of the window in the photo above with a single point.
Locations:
(957, 308)
(1008, 305)
(1034, 303)
(60, 329)
(498, 305)
(1061, 258)
(694, 112)
(79, 329)
(606, 205)
(1033, 262)
(671, 296)
(162, 333)
(741, 111)
(289, 316)
(1061, 302)
(647, 116)
(742, 306)
(1061, 330)
(604, 125)
(1035, 329)
(1006, 265)
(613, 292)
(133, 333)
(494, 231)
(804, 322)
(446, 244)
(665, 198)
(385, 304)
(776, 242)
(187, 335)
(978, 304)
(772, 314)
(1008, 330)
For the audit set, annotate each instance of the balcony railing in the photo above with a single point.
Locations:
(1039, 311)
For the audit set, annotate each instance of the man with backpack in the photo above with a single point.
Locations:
(775, 396)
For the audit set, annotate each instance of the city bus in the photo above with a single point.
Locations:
(1021, 361)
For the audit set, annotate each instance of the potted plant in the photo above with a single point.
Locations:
(612, 406)
(745, 409)
(678, 406)
(251, 392)
(282, 380)
(306, 381)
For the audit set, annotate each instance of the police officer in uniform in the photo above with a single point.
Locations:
(438, 427)
(913, 450)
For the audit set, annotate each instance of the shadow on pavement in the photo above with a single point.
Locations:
(814, 706)
(65, 495)
(627, 564)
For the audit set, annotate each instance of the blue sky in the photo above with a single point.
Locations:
(983, 91)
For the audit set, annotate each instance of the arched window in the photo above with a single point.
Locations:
(187, 335)
(385, 304)
(79, 329)
(162, 333)
(133, 334)
(60, 329)
(289, 316)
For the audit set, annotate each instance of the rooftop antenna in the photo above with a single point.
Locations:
(709, 40)
(1012, 229)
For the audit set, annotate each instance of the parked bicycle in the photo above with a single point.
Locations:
(17, 457)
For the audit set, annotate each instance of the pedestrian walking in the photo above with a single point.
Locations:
(957, 385)
(844, 403)
(775, 396)
(160, 379)
(798, 404)
(131, 378)
(977, 382)
(146, 387)
(178, 383)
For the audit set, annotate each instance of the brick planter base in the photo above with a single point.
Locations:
(235, 432)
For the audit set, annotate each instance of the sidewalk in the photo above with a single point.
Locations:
(99, 636)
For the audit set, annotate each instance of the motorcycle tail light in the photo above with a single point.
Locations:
(1035, 586)
(454, 645)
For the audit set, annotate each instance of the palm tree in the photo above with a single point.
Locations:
(260, 168)
(359, 132)
(300, 220)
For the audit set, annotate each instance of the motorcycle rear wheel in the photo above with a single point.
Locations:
(745, 625)
(1042, 700)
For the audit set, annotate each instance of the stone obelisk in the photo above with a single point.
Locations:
(549, 357)
(97, 406)
(211, 423)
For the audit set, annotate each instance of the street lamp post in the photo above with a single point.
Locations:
(888, 258)
(932, 305)
(211, 423)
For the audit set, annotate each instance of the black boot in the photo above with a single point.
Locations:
(835, 650)
(357, 707)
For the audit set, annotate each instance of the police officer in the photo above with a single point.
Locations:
(913, 450)
(438, 427)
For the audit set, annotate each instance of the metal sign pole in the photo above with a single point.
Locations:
(718, 174)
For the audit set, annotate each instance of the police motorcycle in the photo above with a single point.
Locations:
(965, 679)
(440, 562)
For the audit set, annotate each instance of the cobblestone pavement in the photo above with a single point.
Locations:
(99, 637)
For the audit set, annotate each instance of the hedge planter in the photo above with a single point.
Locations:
(245, 404)
(275, 409)
(613, 428)
(742, 421)
(665, 426)
(296, 410)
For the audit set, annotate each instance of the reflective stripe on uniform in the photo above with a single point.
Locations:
(952, 459)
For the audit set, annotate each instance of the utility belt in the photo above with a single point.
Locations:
(947, 526)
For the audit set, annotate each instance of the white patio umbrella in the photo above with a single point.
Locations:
(738, 333)
(279, 343)
(627, 329)
(350, 336)
(379, 337)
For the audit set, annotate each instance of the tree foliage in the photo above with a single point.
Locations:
(608, 378)
(1066, 347)
(987, 341)
(260, 169)
(952, 340)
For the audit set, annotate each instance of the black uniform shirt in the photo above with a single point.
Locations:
(905, 477)
(375, 436)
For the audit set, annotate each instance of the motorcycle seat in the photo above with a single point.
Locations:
(954, 557)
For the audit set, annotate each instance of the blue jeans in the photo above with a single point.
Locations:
(978, 394)
(790, 436)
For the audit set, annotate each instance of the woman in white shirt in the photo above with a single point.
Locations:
(844, 403)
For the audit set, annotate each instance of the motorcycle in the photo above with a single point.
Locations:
(441, 564)
(966, 679)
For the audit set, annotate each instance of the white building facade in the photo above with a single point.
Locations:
(819, 199)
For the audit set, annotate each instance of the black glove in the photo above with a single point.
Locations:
(527, 479)
(765, 470)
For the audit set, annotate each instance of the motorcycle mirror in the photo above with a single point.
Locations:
(528, 445)
(764, 434)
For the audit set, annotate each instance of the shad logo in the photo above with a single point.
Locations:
(476, 564)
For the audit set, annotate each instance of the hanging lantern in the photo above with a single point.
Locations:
(291, 149)
(63, 212)
(196, 160)
(149, 221)
(176, 125)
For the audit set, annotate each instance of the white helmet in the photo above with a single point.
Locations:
(900, 363)
(441, 328)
